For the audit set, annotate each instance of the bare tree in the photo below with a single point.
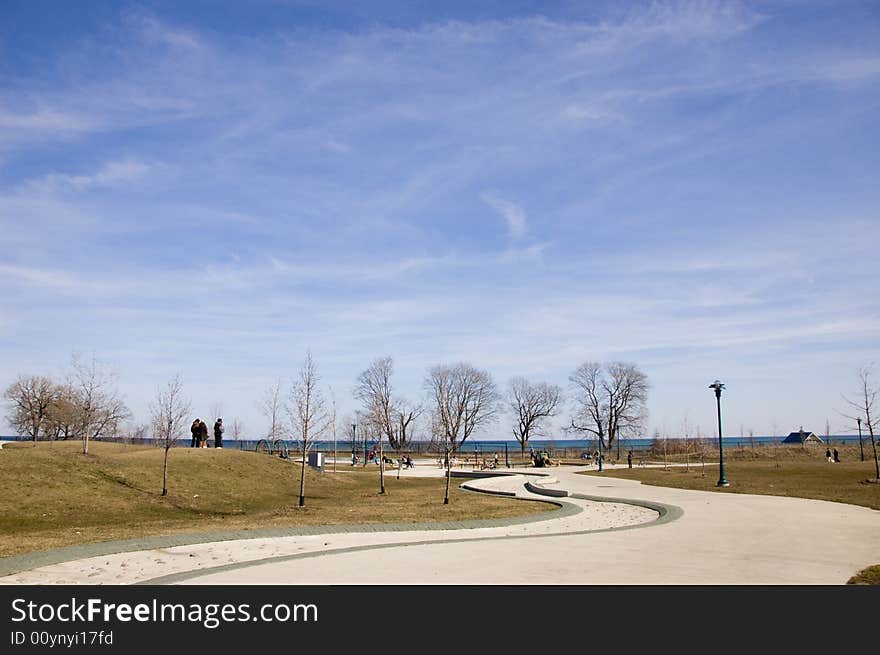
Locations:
(169, 412)
(237, 429)
(308, 414)
(373, 389)
(531, 405)
(391, 417)
(30, 398)
(63, 414)
(775, 428)
(139, 432)
(271, 406)
(686, 431)
(100, 407)
(463, 398)
(864, 408)
(702, 446)
(609, 400)
(333, 423)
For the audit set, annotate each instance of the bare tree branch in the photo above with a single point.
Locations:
(100, 408)
(308, 414)
(531, 404)
(30, 398)
(169, 413)
(864, 408)
(463, 399)
(271, 405)
(610, 401)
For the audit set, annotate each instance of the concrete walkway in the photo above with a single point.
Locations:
(681, 537)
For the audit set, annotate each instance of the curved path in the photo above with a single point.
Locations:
(683, 537)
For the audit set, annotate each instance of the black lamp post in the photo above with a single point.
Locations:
(861, 449)
(722, 481)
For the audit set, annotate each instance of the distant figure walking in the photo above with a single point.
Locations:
(218, 433)
(629, 459)
(203, 434)
(836, 456)
(195, 434)
(828, 455)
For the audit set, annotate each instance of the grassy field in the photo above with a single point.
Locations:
(868, 576)
(781, 471)
(55, 496)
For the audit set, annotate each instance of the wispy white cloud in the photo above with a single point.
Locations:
(115, 173)
(513, 214)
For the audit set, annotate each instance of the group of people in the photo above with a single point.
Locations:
(832, 458)
(540, 459)
(199, 430)
(373, 456)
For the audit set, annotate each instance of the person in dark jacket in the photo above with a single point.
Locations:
(218, 433)
(196, 432)
(203, 434)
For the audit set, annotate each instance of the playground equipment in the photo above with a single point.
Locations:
(275, 447)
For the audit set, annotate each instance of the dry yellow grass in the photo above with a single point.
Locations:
(798, 472)
(55, 496)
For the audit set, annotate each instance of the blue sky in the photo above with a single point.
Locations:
(213, 188)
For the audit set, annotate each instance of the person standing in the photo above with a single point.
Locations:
(218, 433)
(836, 456)
(629, 459)
(203, 434)
(828, 455)
(196, 434)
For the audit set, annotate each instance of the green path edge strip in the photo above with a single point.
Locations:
(28, 561)
(667, 513)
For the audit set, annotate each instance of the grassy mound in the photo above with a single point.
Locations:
(868, 576)
(56, 496)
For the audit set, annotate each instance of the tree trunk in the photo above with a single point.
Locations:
(381, 467)
(446, 497)
(874, 446)
(165, 473)
(302, 480)
(86, 440)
